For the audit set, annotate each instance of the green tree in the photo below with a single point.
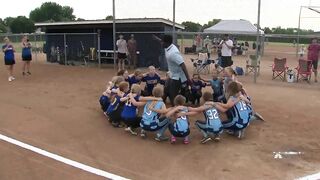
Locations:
(3, 28)
(267, 30)
(52, 12)
(211, 23)
(191, 26)
(22, 24)
(109, 17)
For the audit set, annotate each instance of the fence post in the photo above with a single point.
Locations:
(65, 48)
(36, 48)
(99, 48)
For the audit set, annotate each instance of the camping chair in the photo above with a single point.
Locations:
(304, 69)
(251, 63)
(279, 68)
(202, 63)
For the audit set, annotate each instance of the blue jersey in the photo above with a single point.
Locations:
(9, 53)
(26, 51)
(241, 116)
(213, 120)
(197, 86)
(216, 86)
(151, 81)
(151, 118)
(114, 104)
(133, 80)
(182, 124)
(129, 110)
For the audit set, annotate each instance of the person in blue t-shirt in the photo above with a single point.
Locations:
(151, 79)
(9, 60)
(26, 55)
(135, 78)
(216, 84)
(116, 106)
(196, 89)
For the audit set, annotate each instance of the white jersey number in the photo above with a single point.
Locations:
(212, 114)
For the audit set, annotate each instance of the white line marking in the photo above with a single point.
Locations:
(62, 159)
(311, 177)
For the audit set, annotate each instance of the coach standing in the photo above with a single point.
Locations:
(226, 51)
(177, 68)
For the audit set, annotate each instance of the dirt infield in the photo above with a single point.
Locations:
(57, 109)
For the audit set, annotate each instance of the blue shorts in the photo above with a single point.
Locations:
(176, 133)
(203, 126)
(154, 126)
(9, 62)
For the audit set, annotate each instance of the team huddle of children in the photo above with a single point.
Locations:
(124, 95)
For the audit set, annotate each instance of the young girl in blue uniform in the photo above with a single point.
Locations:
(152, 111)
(179, 128)
(151, 79)
(196, 89)
(240, 113)
(26, 55)
(212, 126)
(109, 93)
(129, 113)
(9, 60)
(115, 108)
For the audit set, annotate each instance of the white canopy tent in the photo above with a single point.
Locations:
(239, 27)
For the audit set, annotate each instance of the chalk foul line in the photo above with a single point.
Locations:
(62, 159)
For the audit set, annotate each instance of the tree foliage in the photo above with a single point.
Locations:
(211, 23)
(109, 17)
(22, 24)
(3, 28)
(191, 26)
(52, 12)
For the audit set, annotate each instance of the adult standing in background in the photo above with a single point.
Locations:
(162, 57)
(9, 60)
(313, 55)
(26, 55)
(177, 68)
(208, 45)
(132, 48)
(226, 51)
(122, 51)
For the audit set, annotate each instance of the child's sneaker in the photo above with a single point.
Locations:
(205, 140)
(161, 138)
(217, 138)
(173, 139)
(132, 131)
(143, 134)
(186, 140)
(240, 134)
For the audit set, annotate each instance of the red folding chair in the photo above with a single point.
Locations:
(304, 70)
(279, 68)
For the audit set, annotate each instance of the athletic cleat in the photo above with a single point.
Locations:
(173, 139)
(9, 79)
(143, 134)
(205, 140)
(186, 141)
(13, 78)
(240, 134)
(132, 132)
(29, 73)
(127, 129)
(230, 132)
(216, 138)
(161, 138)
(258, 116)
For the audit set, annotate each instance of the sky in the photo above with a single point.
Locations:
(284, 13)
